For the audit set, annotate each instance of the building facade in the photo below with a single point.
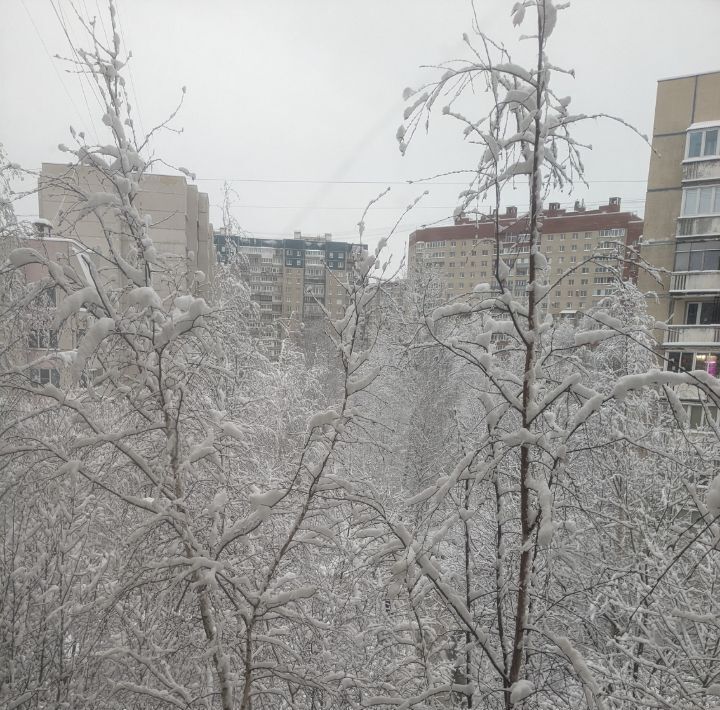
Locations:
(180, 226)
(682, 221)
(294, 281)
(590, 247)
(69, 233)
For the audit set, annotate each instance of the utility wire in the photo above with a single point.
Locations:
(54, 66)
(83, 75)
(370, 182)
(136, 97)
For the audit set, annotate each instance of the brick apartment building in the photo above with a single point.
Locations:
(589, 246)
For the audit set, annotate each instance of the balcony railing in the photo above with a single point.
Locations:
(701, 170)
(695, 282)
(692, 335)
(698, 225)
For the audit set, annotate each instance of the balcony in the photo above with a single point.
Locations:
(698, 225)
(695, 282)
(686, 335)
(695, 169)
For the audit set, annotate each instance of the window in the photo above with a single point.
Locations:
(588, 235)
(707, 313)
(44, 375)
(45, 339)
(702, 143)
(698, 255)
(574, 247)
(698, 415)
(701, 201)
(561, 247)
(587, 247)
(687, 361)
(548, 237)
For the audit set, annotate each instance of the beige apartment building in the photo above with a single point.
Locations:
(69, 233)
(293, 281)
(180, 226)
(682, 221)
(589, 246)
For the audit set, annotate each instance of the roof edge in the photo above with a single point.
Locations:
(689, 76)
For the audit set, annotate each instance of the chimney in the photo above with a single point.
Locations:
(297, 234)
(579, 205)
(614, 204)
(327, 235)
(554, 207)
(511, 211)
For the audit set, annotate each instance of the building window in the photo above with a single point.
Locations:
(702, 143)
(688, 361)
(44, 375)
(707, 313)
(698, 255)
(701, 201)
(43, 339)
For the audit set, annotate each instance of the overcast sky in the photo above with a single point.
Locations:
(297, 102)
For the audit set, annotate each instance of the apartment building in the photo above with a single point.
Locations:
(67, 232)
(589, 246)
(179, 219)
(293, 281)
(682, 223)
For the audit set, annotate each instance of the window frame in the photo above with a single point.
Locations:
(702, 155)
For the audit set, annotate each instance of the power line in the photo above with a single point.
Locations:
(123, 36)
(54, 65)
(371, 182)
(380, 207)
(83, 75)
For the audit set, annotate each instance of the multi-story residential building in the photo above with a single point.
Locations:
(293, 281)
(179, 218)
(68, 232)
(589, 246)
(682, 221)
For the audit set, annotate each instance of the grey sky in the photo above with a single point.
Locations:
(310, 90)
